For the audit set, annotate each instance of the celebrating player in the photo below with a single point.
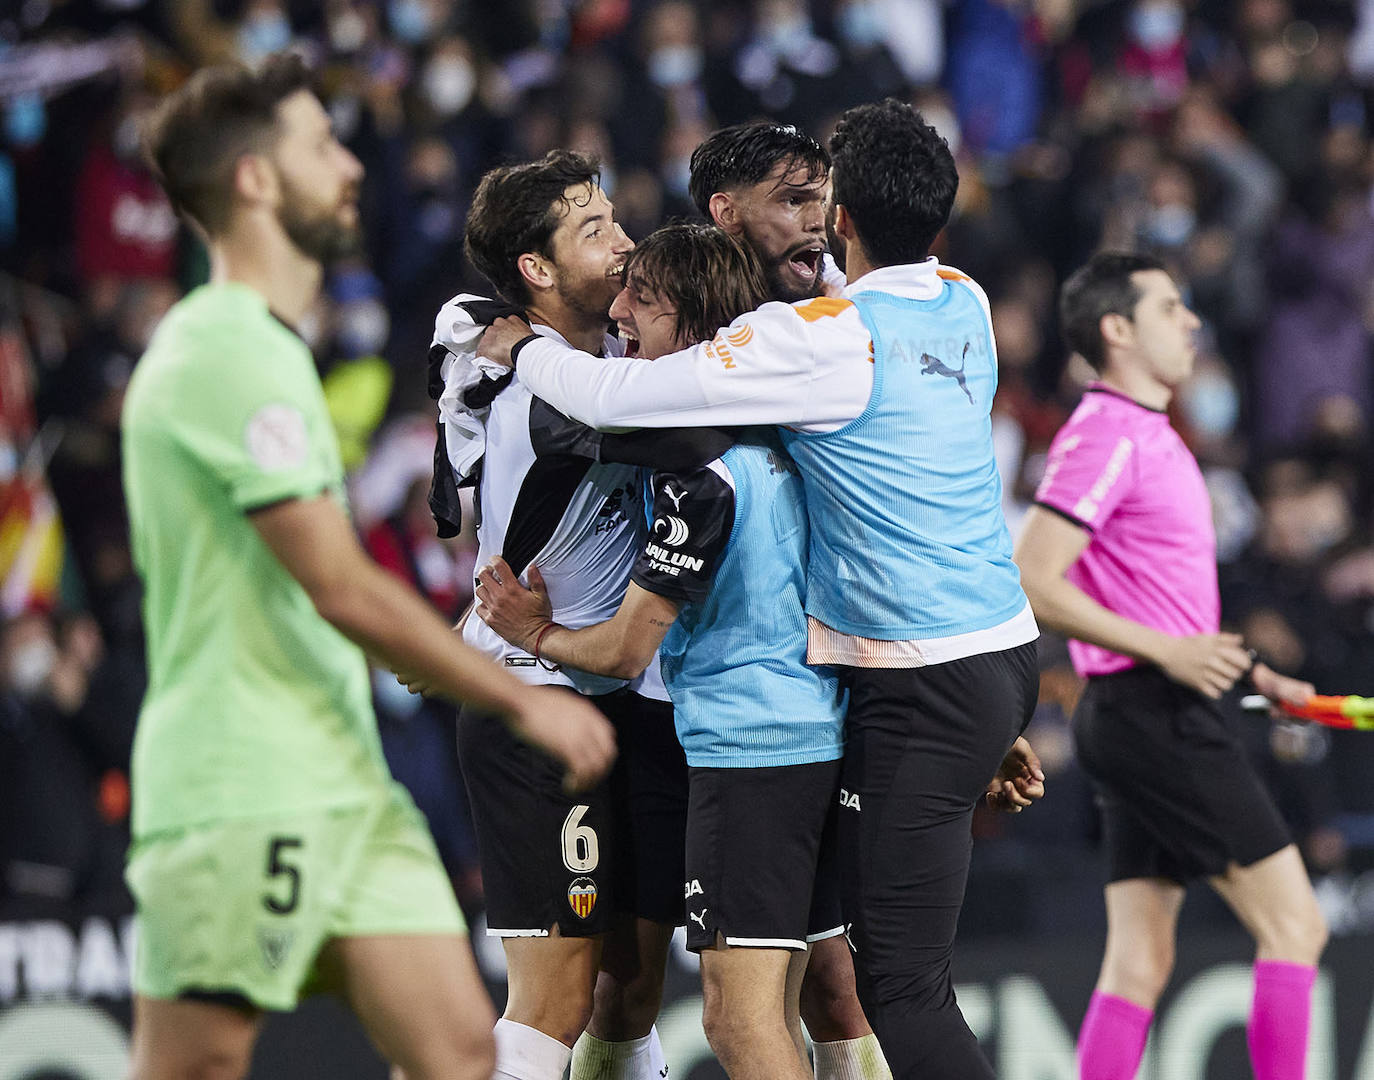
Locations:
(767, 184)
(719, 582)
(271, 847)
(561, 871)
(910, 588)
(1119, 554)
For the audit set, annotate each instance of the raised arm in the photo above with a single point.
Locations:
(759, 370)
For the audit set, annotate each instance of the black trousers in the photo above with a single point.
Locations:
(921, 746)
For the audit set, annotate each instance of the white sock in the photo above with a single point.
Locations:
(637, 1059)
(851, 1059)
(526, 1053)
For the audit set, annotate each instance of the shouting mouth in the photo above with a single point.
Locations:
(806, 263)
(629, 341)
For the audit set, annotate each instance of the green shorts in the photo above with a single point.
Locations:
(243, 907)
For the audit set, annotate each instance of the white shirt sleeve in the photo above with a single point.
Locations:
(771, 366)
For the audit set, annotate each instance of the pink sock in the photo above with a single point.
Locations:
(1277, 1032)
(1112, 1038)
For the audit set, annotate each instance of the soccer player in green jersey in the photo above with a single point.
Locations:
(273, 853)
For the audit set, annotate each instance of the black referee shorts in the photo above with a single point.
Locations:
(1180, 797)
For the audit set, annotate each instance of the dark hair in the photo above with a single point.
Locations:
(1102, 286)
(744, 155)
(198, 133)
(895, 176)
(516, 209)
(704, 272)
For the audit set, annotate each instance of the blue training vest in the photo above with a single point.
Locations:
(735, 664)
(908, 540)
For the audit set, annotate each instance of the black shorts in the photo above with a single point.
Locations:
(575, 860)
(753, 844)
(827, 912)
(649, 789)
(1180, 797)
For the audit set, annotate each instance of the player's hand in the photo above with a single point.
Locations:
(1280, 688)
(1019, 781)
(513, 611)
(570, 729)
(1208, 663)
(414, 683)
(500, 337)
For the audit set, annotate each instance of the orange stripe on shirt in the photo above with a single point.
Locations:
(952, 275)
(822, 307)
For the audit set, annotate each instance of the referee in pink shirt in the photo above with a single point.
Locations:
(1119, 555)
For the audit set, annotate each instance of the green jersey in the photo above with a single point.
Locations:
(255, 704)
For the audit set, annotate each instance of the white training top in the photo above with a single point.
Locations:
(806, 365)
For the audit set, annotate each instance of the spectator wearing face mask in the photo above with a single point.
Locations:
(55, 841)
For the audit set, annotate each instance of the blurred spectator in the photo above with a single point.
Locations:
(125, 228)
(63, 801)
(1316, 342)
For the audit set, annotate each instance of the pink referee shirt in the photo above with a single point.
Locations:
(1120, 470)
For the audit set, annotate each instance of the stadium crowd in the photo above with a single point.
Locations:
(1233, 140)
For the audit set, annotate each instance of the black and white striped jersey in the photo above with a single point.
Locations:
(543, 498)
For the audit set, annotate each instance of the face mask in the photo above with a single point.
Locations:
(393, 699)
(946, 125)
(1170, 226)
(30, 665)
(263, 35)
(9, 210)
(674, 65)
(1156, 26)
(26, 121)
(449, 84)
(677, 177)
(411, 20)
(862, 25)
(311, 329)
(787, 34)
(347, 32)
(126, 139)
(1211, 404)
(346, 113)
(363, 327)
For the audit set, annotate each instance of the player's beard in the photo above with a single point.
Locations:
(590, 298)
(317, 230)
(781, 287)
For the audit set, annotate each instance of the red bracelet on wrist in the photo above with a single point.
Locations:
(539, 640)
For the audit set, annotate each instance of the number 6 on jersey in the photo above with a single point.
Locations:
(581, 851)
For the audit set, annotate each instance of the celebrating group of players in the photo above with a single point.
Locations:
(754, 541)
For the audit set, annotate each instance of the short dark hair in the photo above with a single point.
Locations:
(1101, 286)
(895, 176)
(516, 209)
(744, 155)
(704, 272)
(198, 133)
